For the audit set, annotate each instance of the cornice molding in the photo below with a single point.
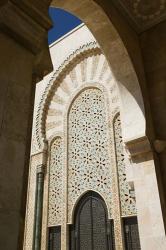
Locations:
(142, 146)
(139, 149)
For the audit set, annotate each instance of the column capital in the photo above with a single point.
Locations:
(40, 162)
(40, 169)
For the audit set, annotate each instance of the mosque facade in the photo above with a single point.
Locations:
(83, 184)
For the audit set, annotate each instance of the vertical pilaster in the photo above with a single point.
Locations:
(117, 211)
(116, 205)
(65, 231)
(38, 207)
(149, 213)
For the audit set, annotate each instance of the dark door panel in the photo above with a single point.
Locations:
(131, 233)
(54, 242)
(91, 230)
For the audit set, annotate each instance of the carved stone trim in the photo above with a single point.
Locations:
(55, 186)
(40, 169)
(72, 60)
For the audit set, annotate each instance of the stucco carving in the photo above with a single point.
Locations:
(127, 195)
(57, 77)
(88, 147)
(56, 183)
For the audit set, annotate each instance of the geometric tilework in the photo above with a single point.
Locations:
(88, 160)
(127, 196)
(55, 183)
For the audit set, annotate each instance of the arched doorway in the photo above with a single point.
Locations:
(92, 230)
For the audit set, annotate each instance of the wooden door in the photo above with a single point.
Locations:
(91, 230)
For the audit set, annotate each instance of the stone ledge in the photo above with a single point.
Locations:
(139, 149)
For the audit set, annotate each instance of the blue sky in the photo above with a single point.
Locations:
(63, 22)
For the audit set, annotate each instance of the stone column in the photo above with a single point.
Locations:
(150, 219)
(38, 165)
(38, 207)
(23, 32)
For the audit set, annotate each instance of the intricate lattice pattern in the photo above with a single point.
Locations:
(127, 196)
(88, 167)
(55, 183)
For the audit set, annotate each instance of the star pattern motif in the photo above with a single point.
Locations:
(89, 165)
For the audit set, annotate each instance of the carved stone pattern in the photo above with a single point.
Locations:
(55, 183)
(73, 59)
(128, 203)
(149, 9)
(88, 167)
(142, 13)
